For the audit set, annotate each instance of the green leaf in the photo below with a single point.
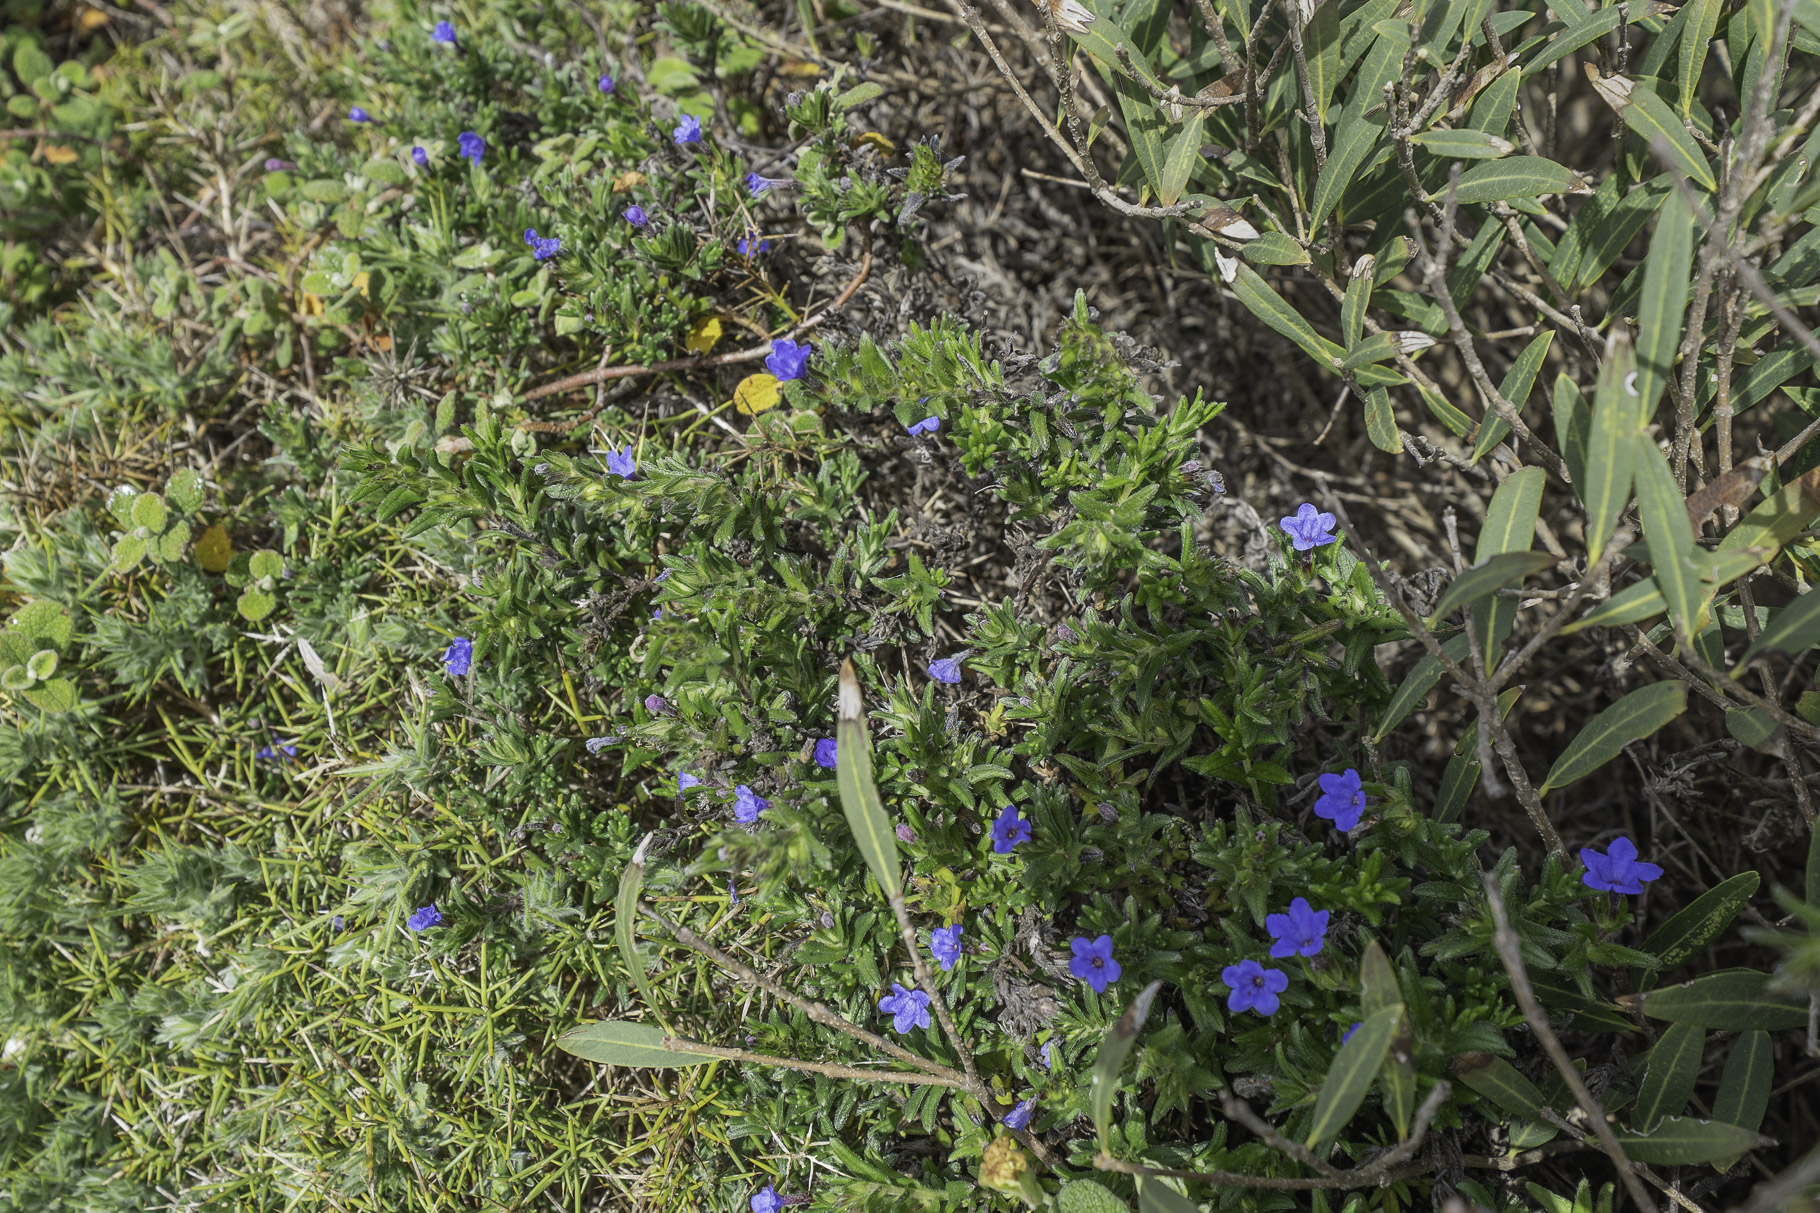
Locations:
(1353, 140)
(1379, 347)
(1350, 1075)
(384, 171)
(1085, 1196)
(1321, 51)
(618, 1042)
(57, 695)
(1356, 303)
(1274, 311)
(1381, 422)
(1573, 428)
(1420, 680)
(859, 798)
(1778, 518)
(1110, 1060)
(1672, 554)
(1509, 529)
(43, 621)
(1734, 1000)
(1674, 1064)
(42, 665)
(1703, 19)
(1500, 1082)
(1464, 144)
(1378, 989)
(149, 512)
(128, 551)
(1664, 299)
(185, 490)
(625, 922)
(1609, 451)
(1511, 177)
(1155, 1196)
(1692, 928)
(1166, 151)
(1793, 629)
(1680, 1141)
(169, 546)
(1516, 386)
(1651, 117)
(255, 605)
(1744, 1087)
(1492, 573)
(265, 563)
(858, 95)
(1491, 113)
(1632, 718)
(1274, 248)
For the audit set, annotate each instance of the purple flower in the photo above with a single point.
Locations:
(606, 85)
(621, 463)
(287, 748)
(635, 215)
(472, 146)
(788, 360)
(1019, 1117)
(1618, 871)
(732, 893)
(1342, 799)
(420, 157)
(688, 130)
(444, 33)
(339, 923)
(359, 115)
(907, 1008)
(458, 657)
(947, 669)
(945, 945)
(597, 744)
(825, 753)
(274, 164)
(1254, 988)
(542, 247)
(904, 833)
(1299, 932)
(750, 245)
(1348, 1034)
(757, 185)
(767, 1200)
(1048, 1055)
(685, 781)
(927, 425)
(1064, 632)
(424, 918)
(655, 705)
(1009, 830)
(747, 805)
(1309, 528)
(1093, 962)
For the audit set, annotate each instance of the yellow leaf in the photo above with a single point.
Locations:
(800, 67)
(92, 19)
(704, 336)
(214, 550)
(310, 305)
(60, 155)
(756, 393)
(627, 181)
(876, 140)
(360, 284)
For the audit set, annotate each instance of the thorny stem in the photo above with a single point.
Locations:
(1510, 951)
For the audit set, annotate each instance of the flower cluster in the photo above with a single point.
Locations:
(542, 247)
(1253, 987)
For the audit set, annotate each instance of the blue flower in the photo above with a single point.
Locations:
(359, 115)
(606, 85)
(621, 463)
(424, 918)
(657, 705)
(788, 360)
(732, 893)
(472, 146)
(1048, 1055)
(635, 215)
(1254, 988)
(1342, 799)
(458, 657)
(1299, 932)
(1093, 962)
(751, 246)
(927, 425)
(688, 130)
(945, 945)
(685, 781)
(1009, 830)
(947, 669)
(747, 805)
(287, 748)
(907, 1008)
(767, 1200)
(420, 158)
(542, 247)
(904, 833)
(757, 185)
(339, 923)
(1019, 1117)
(1348, 1034)
(1309, 528)
(1617, 871)
(825, 753)
(444, 32)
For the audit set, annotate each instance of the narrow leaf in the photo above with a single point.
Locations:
(1350, 1075)
(1608, 451)
(1632, 718)
(1270, 307)
(1500, 1082)
(625, 919)
(1420, 680)
(1668, 1083)
(1750, 1071)
(1734, 1000)
(1680, 1141)
(1672, 553)
(1650, 116)
(1794, 628)
(1691, 929)
(1573, 428)
(1492, 573)
(1516, 386)
(1154, 1196)
(1695, 37)
(1464, 144)
(858, 793)
(1510, 527)
(617, 1042)
(1378, 990)
(1512, 177)
(1778, 518)
(1381, 422)
(1664, 299)
(1110, 1061)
